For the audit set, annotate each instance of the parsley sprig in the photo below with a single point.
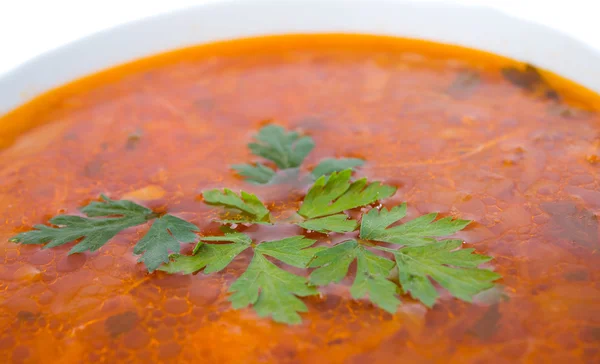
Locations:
(420, 257)
(383, 274)
(393, 257)
(272, 290)
(246, 207)
(335, 194)
(285, 152)
(105, 219)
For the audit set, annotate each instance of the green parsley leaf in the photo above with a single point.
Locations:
(420, 231)
(334, 194)
(284, 176)
(258, 174)
(330, 165)
(164, 235)
(455, 270)
(371, 273)
(339, 223)
(290, 250)
(94, 231)
(211, 257)
(285, 149)
(251, 208)
(108, 207)
(230, 236)
(271, 290)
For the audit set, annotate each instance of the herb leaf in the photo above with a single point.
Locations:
(420, 231)
(95, 230)
(285, 149)
(251, 208)
(371, 273)
(339, 223)
(290, 250)
(211, 257)
(271, 290)
(455, 270)
(258, 174)
(335, 194)
(230, 235)
(108, 207)
(164, 235)
(330, 165)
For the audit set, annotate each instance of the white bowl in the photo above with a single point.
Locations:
(474, 27)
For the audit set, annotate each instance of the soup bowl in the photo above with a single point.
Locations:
(423, 202)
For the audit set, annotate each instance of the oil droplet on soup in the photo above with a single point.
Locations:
(460, 132)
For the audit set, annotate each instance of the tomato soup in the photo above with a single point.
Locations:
(460, 132)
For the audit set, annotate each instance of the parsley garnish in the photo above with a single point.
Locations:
(250, 208)
(421, 255)
(210, 257)
(420, 231)
(107, 218)
(271, 290)
(258, 173)
(339, 223)
(164, 235)
(455, 270)
(422, 258)
(329, 197)
(330, 165)
(286, 151)
(372, 273)
(336, 194)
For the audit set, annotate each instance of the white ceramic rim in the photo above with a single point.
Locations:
(476, 27)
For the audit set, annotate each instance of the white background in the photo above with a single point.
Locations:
(30, 27)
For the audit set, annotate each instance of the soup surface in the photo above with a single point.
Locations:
(459, 132)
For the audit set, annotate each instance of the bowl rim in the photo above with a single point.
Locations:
(450, 22)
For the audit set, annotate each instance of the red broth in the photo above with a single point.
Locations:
(460, 132)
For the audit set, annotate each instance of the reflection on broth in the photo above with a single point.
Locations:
(459, 132)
